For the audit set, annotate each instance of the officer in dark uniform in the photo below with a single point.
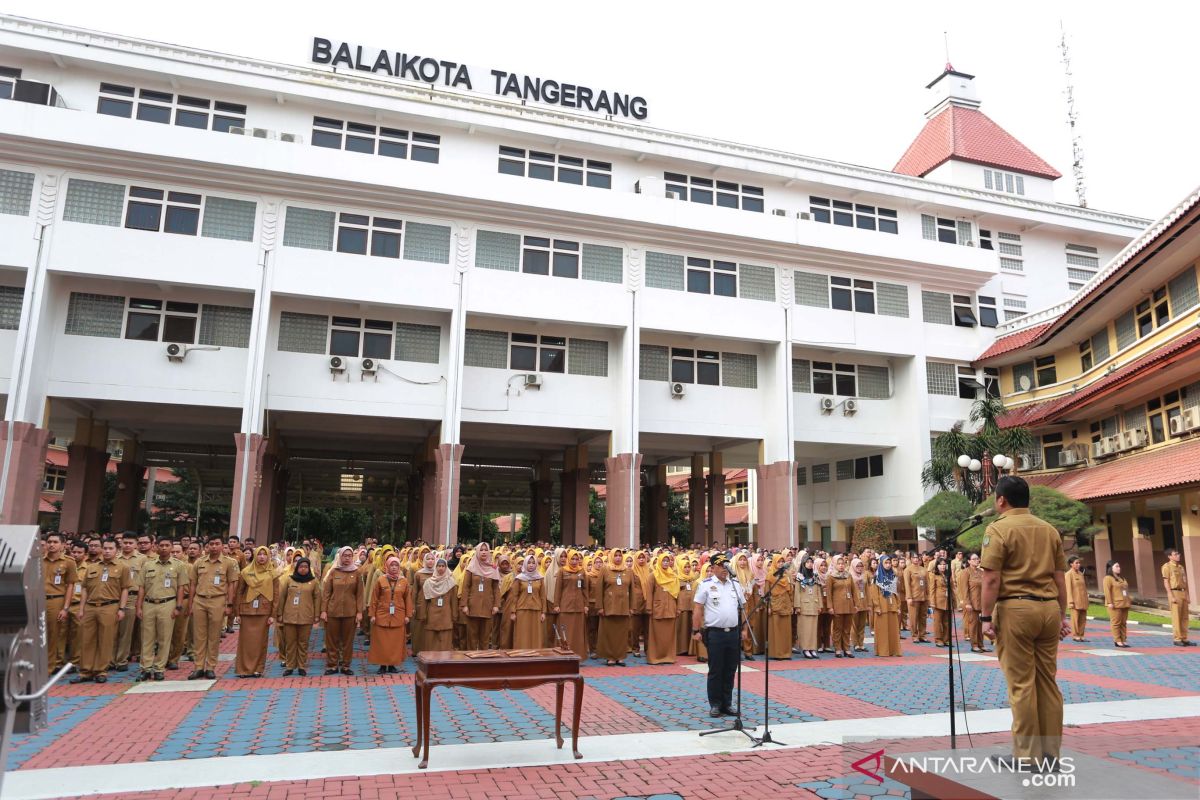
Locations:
(715, 620)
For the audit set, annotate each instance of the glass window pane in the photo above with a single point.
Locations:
(426, 154)
(393, 149)
(876, 465)
(327, 139)
(822, 383)
(222, 124)
(726, 200)
(861, 468)
(566, 265)
(987, 317)
(865, 223)
(570, 176)
(360, 144)
(708, 373)
(683, 370)
(599, 180)
(947, 235)
(114, 108)
(377, 345)
(888, 226)
(843, 218)
(820, 214)
(385, 244)
(352, 240)
(524, 357)
(845, 385)
(553, 360)
(840, 299)
(698, 281)
(702, 196)
(543, 172)
(191, 119)
(864, 302)
(182, 220)
(151, 113)
(143, 216)
(508, 167)
(343, 343)
(535, 262)
(181, 330)
(752, 204)
(724, 284)
(142, 327)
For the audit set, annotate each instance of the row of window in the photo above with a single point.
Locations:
(8, 81)
(555, 167)
(849, 469)
(356, 337)
(360, 234)
(844, 380)
(709, 191)
(960, 381)
(166, 108)
(702, 275)
(853, 215)
(544, 255)
(940, 308)
(529, 352)
(1007, 182)
(149, 319)
(850, 294)
(159, 210)
(695, 366)
(1008, 245)
(358, 137)
(1083, 262)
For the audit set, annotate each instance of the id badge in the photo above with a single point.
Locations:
(217, 579)
(166, 583)
(440, 602)
(1124, 593)
(392, 610)
(104, 576)
(861, 595)
(848, 597)
(528, 588)
(716, 601)
(254, 603)
(480, 587)
(78, 587)
(578, 584)
(921, 582)
(57, 580)
(618, 580)
(296, 600)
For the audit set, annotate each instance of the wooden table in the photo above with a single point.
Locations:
(494, 670)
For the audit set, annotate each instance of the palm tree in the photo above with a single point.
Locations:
(942, 472)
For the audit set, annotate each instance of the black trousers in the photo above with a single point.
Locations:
(722, 665)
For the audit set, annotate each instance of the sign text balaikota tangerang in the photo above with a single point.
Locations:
(459, 76)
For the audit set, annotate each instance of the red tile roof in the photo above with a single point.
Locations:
(1014, 341)
(967, 134)
(1137, 474)
(737, 515)
(1046, 411)
(504, 524)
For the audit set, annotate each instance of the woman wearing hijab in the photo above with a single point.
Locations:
(862, 604)
(571, 603)
(664, 611)
(840, 587)
(551, 572)
(616, 597)
(419, 576)
(342, 611)
(808, 601)
(595, 585)
(687, 590)
(886, 603)
(1116, 600)
(756, 610)
(641, 590)
(297, 607)
(502, 625)
(899, 564)
(745, 579)
(940, 603)
(390, 614)
(439, 595)
(529, 601)
(480, 597)
(254, 604)
(781, 611)
(825, 618)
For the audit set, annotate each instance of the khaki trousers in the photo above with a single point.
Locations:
(56, 635)
(1078, 622)
(479, 633)
(860, 628)
(158, 623)
(123, 647)
(843, 625)
(207, 615)
(1027, 646)
(339, 642)
(1117, 618)
(99, 634)
(295, 645)
(973, 628)
(1179, 615)
(178, 638)
(919, 611)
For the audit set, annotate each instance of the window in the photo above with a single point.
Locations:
(820, 474)
(1009, 247)
(709, 276)
(55, 479)
(552, 167)
(542, 256)
(943, 229)
(968, 384)
(145, 211)
(185, 111)
(868, 467)
(851, 295)
(1013, 308)
(1085, 355)
(1083, 262)
(358, 137)
(8, 81)
(354, 337)
(940, 378)
(991, 381)
(1006, 182)
(529, 352)
(853, 215)
(1045, 370)
(360, 234)
(830, 378)
(964, 316)
(696, 366)
(1052, 447)
(988, 318)
(148, 320)
(741, 494)
(708, 191)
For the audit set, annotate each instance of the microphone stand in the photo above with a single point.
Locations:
(946, 544)
(742, 621)
(766, 737)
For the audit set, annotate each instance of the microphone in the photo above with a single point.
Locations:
(783, 568)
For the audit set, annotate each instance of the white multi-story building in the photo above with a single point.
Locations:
(305, 284)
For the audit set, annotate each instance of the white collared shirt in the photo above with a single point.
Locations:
(720, 600)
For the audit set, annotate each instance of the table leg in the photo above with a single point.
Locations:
(578, 716)
(417, 687)
(558, 698)
(426, 705)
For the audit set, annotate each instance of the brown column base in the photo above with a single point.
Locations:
(129, 496)
(247, 472)
(448, 459)
(776, 506)
(624, 496)
(1102, 550)
(26, 468)
(1149, 585)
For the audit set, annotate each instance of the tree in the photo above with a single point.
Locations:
(943, 513)
(596, 516)
(175, 503)
(474, 527)
(679, 526)
(1065, 514)
(942, 471)
(872, 532)
(333, 526)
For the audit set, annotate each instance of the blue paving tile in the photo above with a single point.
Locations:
(62, 714)
(1182, 761)
(1176, 670)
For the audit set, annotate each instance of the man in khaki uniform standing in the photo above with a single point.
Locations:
(59, 576)
(183, 618)
(1175, 582)
(158, 606)
(133, 561)
(915, 578)
(1024, 583)
(105, 596)
(213, 580)
(1077, 598)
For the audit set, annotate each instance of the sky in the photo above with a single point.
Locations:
(836, 80)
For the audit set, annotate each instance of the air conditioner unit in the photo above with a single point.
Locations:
(804, 215)
(337, 364)
(1068, 458)
(293, 138)
(1134, 438)
(678, 389)
(1027, 462)
(1100, 449)
(262, 133)
(533, 380)
(369, 366)
(849, 406)
(176, 352)
(234, 129)
(1186, 422)
(729, 499)
(674, 194)
(1113, 444)
(827, 404)
(779, 212)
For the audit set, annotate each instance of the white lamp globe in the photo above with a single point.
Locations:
(975, 466)
(964, 461)
(1001, 461)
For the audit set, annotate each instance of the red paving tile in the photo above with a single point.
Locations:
(602, 716)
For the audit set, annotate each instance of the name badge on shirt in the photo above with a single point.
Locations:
(254, 603)
(579, 584)
(618, 580)
(57, 580)
(217, 579)
(104, 576)
(861, 595)
(529, 587)
(1124, 593)
(78, 588)
(296, 600)
(392, 609)
(439, 602)
(848, 597)
(921, 582)
(166, 583)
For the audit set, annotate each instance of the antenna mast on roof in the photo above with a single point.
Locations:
(1072, 121)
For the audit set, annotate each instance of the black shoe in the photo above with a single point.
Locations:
(849, 655)
(256, 675)
(1187, 643)
(145, 676)
(287, 673)
(303, 673)
(382, 671)
(101, 679)
(331, 671)
(837, 655)
(714, 712)
(729, 712)
(80, 679)
(196, 675)
(172, 666)
(347, 671)
(747, 658)
(1179, 644)
(158, 676)
(212, 676)
(393, 670)
(120, 668)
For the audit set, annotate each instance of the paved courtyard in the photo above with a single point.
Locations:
(330, 737)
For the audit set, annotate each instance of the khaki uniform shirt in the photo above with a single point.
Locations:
(1175, 576)
(808, 599)
(1026, 551)
(134, 564)
(104, 580)
(342, 594)
(1077, 596)
(298, 603)
(617, 592)
(479, 602)
(1116, 592)
(572, 592)
(58, 575)
(441, 612)
(213, 578)
(841, 594)
(939, 597)
(159, 581)
(529, 595)
(916, 581)
(969, 588)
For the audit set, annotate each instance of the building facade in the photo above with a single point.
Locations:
(320, 284)
(1109, 384)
